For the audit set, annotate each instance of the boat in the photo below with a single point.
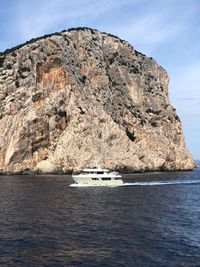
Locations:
(97, 177)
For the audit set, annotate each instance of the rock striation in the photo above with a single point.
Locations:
(79, 96)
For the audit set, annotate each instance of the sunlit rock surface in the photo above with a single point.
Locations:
(73, 98)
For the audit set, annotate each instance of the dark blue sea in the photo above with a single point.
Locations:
(154, 221)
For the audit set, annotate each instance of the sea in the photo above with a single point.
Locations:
(152, 221)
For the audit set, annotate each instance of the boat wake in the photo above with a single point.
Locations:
(87, 185)
(162, 183)
(152, 183)
(78, 185)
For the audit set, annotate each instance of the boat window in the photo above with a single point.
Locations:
(100, 172)
(95, 178)
(106, 178)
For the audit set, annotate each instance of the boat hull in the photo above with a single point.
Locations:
(81, 180)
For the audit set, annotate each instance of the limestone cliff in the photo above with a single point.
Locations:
(74, 97)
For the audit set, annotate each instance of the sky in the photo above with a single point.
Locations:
(167, 30)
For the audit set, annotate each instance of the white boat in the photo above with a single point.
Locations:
(97, 177)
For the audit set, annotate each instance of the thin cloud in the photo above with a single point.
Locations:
(185, 96)
(149, 32)
(153, 27)
(185, 81)
(39, 17)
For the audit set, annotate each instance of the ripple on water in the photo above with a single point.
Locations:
(150, 221)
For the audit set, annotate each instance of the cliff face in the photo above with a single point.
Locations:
(75, 97)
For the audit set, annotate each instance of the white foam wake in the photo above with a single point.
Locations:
(87, 185)
(162, 183)
(78, 185)
(144, 183)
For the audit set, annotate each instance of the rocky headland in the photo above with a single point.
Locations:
(72, 98)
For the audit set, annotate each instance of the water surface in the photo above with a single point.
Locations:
(153, 221)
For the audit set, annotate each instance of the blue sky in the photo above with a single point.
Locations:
(167, 30)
